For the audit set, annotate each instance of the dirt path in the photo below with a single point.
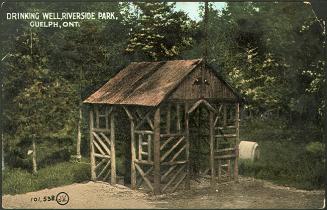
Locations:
(247, 193)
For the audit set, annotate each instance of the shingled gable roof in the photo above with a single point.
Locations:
(144, 83)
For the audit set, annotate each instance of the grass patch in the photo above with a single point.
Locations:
(17, 181)
(288, 156)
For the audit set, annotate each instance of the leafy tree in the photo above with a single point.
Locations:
(160, 32)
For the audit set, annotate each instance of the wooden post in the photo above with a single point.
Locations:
(133, 169)
(187, 149)
(237, 125)
(178, 119)
(211, 136)
(113, 150)
(224, 115)
(97, 119)
(34, 155)
(156, 152)
(168, 117)
(92, 158)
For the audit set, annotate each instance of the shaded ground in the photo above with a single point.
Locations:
(248, 193)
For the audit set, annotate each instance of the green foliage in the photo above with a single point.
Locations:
(17, 181)
(285, 157)
(160, 32)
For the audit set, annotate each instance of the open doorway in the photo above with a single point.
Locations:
(123, 147)
(199, 143)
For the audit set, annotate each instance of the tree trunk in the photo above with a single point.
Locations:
(34, 157)
(79, 135)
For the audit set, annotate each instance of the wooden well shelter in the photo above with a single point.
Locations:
(159, 99)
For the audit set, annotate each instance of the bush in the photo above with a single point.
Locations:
(16, 181)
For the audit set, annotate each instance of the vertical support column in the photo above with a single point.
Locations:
(133, 151)
(237, 125)
(224, 115)
(178, 121)
(211, 136)
(168, 117)
(112, 148)
(97, 119)
(187, 149)
(156, 152)
(92, 158)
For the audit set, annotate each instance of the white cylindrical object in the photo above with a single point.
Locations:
(249, 150)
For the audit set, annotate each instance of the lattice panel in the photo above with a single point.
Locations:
(102, 154)
(173, 161)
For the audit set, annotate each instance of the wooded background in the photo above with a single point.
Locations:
(272, 52)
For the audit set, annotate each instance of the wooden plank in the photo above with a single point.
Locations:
(149, 148)
(145, 162)
(173, 178)
(143, 132)
(146, 117)
(140, 146)
(97, 117)
(178, 153)
(226, 136)
(113, 149)
(166, 142)
(221, 157)
(101, 130)
(100, 163)
(172, 135)
(211, 137)
(98, 147)
(237, 125)
(187, 149)
(206, 103)
(175, 162)
(104, 146)
(106, 138)
(165, 175)
(179, 182)
(168, 118)
(129, 114)
(156, 152)
(101, 156)
(178, 118)
(144, 177)
(172, 148)
(225, 150)
(133, 170)
(92, 158)
(225, 115)
(103, 169)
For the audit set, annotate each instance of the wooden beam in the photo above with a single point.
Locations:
(172, 148)
(225, 115)
(140, 146)
(178, 118)
(173, 178)
(92, 158)
(97, 117)
(187, 149)
(149, 148)
(211, 136)
(206, 103)
(156, 152)
(237, 125)
(143, 175)
(168, 118)
(133, 151)
(113, 149)
(129, 114)
(102, 144)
